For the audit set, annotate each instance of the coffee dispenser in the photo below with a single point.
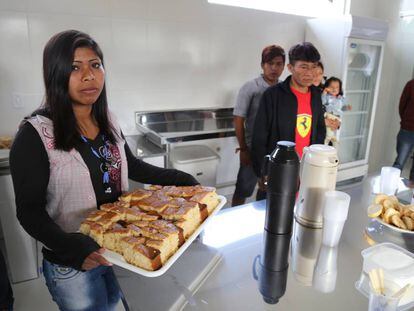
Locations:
(282, 185)
(318, 172)
(282, 171)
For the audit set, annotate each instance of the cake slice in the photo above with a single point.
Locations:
(210, 199)
(85, 226)
(127, 242)
(125, 198)
(181, 192)
(97, 233)
(109, 206)
(108, 219)
(140, 255)
(187, 216)
(157, 202)
(93, 216)
(112, 237)
(140, 194)
(135, 230)
(168, 228)
(134, 213)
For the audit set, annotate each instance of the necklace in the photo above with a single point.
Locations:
(104, 161)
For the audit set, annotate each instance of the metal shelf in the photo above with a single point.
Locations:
(357, 91)
(351, 137)
(354, 113)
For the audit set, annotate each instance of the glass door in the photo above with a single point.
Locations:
(360, 90)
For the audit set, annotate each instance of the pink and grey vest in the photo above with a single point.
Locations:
(70, 193)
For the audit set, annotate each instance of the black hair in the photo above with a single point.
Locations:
(321, 85)
(57, 67)
(272, 51)
(335, 79)
(304, 51)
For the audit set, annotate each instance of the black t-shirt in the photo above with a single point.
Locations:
(109, 161)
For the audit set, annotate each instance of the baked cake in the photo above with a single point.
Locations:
(148, 226)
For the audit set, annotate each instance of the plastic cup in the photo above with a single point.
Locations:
(384, 302)
(390, 177)
(324, 277)
(336, 206)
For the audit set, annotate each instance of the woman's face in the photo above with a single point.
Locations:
(318, 76)
(87, 78)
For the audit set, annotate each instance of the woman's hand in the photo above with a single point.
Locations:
(94, 260)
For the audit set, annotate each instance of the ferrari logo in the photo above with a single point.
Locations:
(303, 124)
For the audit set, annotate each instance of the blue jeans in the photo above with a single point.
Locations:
(405, 145)
(71, 289)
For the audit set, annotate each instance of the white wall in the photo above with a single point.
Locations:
(159, 54)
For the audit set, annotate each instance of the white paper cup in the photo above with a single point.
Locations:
(336, 206)
(390, 177)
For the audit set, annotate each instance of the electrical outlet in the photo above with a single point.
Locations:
(17, 101)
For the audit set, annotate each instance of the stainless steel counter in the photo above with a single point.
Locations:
(216, 272)
(164, 127)
(141, 147)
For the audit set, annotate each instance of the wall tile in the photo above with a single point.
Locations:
(129, 9)
(15, 5)
(43, 26)
(15, 65)
(75, 7)
(179, 11)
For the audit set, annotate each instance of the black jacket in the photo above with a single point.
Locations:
(276, 120)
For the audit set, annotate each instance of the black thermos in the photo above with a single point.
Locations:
(282, 185)
(282, 170)
(270, 268)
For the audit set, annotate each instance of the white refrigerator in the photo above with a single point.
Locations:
(352, 49)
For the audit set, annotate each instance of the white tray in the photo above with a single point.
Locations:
(118, 260)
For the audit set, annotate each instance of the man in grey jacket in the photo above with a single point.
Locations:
(247, 104)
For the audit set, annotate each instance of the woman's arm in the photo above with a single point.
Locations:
(29, 165)
(149, 174)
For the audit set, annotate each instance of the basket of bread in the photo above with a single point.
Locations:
(389, 211)
(146, 230)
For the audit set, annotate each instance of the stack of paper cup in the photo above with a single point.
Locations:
(334, 215)
(390, 177)
(324, 277)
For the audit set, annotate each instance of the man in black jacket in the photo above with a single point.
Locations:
(291, 110)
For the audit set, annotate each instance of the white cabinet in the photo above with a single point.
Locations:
(228, 165)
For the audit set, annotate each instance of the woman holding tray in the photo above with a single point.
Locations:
(68, 158)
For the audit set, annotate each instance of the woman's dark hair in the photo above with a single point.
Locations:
(304, 51)
(335, 79)
(272, 51)
(57, 67)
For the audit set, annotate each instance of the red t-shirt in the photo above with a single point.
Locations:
(303, 121)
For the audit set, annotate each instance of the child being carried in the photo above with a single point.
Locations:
(334, 104)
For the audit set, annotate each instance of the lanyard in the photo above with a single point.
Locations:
(104, 160)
